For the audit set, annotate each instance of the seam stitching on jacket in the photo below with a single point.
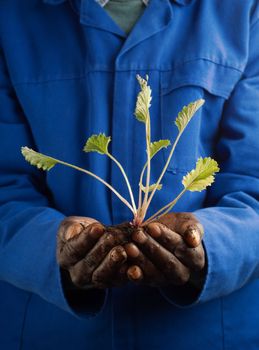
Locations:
(221, 92)
(23, 321)
(125, 70)
(209, 60)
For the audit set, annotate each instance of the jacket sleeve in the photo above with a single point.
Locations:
(231, 213)
(28, 223)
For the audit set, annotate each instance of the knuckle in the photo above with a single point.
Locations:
(78, 277)
(199, 261)
(183, 278)
(177, 272)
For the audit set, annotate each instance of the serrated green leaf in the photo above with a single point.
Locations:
(97, 143)
(157, 146)
(186, 114)
(151, 187)
(202, 176)
(38, 159)
(143, 100)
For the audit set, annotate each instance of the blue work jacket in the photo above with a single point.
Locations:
(68, 71)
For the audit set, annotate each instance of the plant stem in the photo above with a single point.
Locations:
(166, 208)
(99, 179)
(140, 183)
(163, 172)
(126, 179)
(148, 134)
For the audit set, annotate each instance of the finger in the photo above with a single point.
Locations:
(187, 225)
(165, 261)
(83, 270)
(193, 258)
(120, 277)
(75, 248)
(104, 274)
(142, 269)
(132, 250)
(73, 225)
(164, 235)
(192, 236)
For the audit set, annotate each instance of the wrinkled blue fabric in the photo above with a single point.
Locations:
(68, 71)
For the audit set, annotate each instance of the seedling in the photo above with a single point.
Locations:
(197, 179)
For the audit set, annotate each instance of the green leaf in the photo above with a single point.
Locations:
(97, 143)
(202, 176)
(151, 187)
(187, 113)
(38, 159)
(143, 100)
(157, 146)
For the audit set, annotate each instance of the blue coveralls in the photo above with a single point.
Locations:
(68, 71)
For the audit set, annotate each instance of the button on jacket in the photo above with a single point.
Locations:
(68, 71)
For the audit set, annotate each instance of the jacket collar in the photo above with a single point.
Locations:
(155, 18)
(56, 2)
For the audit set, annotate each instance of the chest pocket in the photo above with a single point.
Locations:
(186, 83)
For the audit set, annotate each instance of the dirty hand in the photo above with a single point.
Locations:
(91, 253)
(168, 251)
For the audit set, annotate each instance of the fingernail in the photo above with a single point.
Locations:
(131, 250)
(118, 254)
(139, 236)
(192, 237)
(135, 273)
(96, 230)
(73, 230)
(154, 230)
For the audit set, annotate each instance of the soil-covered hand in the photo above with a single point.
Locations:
(92, 253)
(168, 251)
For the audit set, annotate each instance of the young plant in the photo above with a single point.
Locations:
(197, 179)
